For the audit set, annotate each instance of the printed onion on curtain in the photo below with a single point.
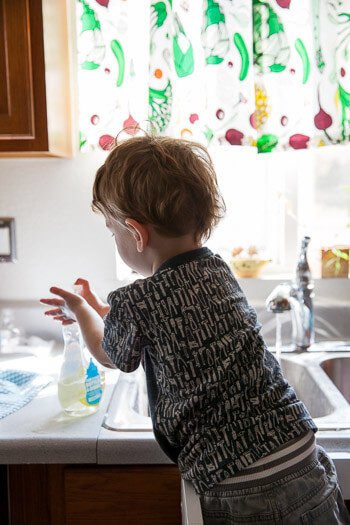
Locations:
(267, 74)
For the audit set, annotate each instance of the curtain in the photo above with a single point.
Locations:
(270, 74)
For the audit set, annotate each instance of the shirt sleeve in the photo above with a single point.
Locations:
(122, 338)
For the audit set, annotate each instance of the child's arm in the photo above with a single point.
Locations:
(90, 322)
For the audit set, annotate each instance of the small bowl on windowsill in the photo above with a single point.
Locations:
(248, 268)
(247, 264)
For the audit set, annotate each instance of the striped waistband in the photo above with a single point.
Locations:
(280, 462)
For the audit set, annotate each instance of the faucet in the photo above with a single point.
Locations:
(298, 298)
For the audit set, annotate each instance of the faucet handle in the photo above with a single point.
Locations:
(279, 299)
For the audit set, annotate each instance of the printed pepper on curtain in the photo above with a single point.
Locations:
(270, 74)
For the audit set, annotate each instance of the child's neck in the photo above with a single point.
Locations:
(173, 247)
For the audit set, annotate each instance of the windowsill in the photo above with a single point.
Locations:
(325, 289)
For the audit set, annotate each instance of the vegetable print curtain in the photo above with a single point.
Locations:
(267, 74)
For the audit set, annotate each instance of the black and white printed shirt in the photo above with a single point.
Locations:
(218, 399)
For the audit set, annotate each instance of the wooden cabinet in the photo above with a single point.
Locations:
(36, 113)
(23, 120)
(88, 495)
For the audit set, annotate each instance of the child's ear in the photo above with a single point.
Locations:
(139, 232)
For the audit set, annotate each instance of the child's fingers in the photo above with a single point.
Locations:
(63, 293)
(82, 287)
(83, 282)
(61, 318)
(52, 302)
(56, 311)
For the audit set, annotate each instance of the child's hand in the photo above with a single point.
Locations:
(68, 300)
(91, 298)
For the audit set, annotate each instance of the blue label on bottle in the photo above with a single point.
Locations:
(93, 385)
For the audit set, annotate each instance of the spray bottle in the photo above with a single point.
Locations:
(80, 383)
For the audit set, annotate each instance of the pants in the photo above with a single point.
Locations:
(309, 494)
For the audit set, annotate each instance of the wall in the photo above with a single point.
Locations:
(59, 238)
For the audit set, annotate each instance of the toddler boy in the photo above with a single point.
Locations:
(220, 406)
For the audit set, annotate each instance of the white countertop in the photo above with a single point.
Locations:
(118, 448)
(41, 433)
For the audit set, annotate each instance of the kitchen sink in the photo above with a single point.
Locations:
(320, 386)
(338, 370)
(307, 387)
(320, 381)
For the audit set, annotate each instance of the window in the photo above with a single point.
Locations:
(272, 199)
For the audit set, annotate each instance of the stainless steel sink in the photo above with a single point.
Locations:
(338, 370)
(321, 381)
(320, 391)
(307, 387)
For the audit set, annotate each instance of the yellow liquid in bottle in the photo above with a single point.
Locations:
(72, 396)
(80, 383)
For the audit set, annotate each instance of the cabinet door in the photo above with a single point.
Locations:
(92, 494)
(123, 495)
(23, 120)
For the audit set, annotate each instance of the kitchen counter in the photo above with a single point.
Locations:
(123, 448)
(41, 433)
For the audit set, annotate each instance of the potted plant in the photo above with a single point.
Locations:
(335, 262)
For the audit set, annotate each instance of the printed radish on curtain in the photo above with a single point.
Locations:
(267, 74)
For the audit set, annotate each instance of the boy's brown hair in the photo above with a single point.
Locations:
(168, 183)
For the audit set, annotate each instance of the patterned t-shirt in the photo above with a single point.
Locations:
(218, 399)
